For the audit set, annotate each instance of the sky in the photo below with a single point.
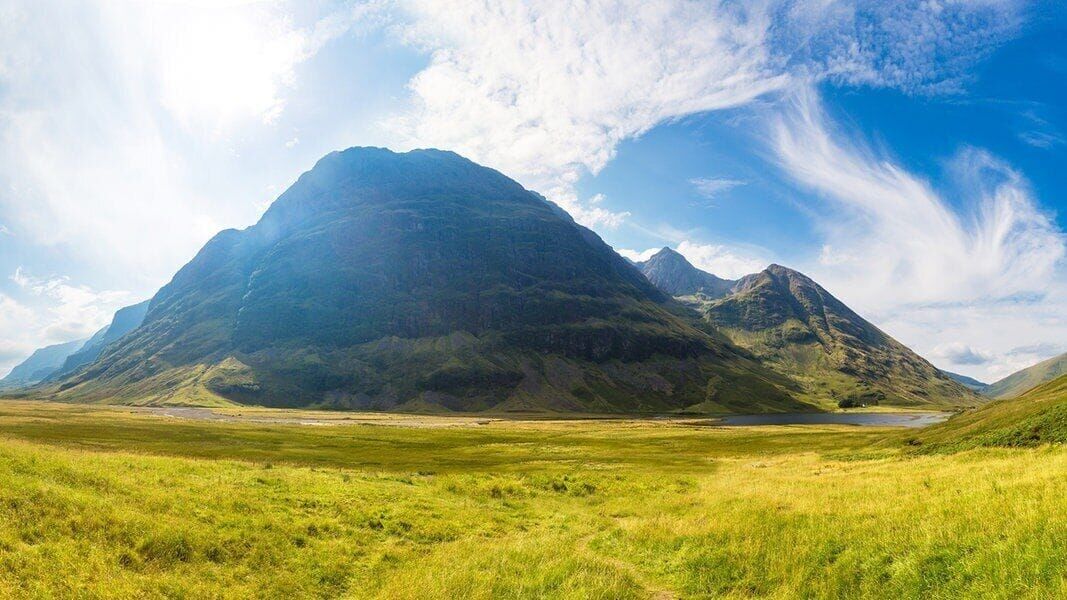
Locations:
(908, 155)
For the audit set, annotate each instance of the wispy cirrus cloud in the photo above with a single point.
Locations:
(898, 239)
(552, 120)
(982, 269)
(712, 187)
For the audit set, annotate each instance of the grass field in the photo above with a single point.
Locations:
(103, 502)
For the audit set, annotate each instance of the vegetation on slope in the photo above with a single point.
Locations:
(581, 509)
(422, 281)
(798, 328)
(1035, 418)
(1028, 378)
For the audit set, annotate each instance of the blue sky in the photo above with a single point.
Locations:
(907, 155)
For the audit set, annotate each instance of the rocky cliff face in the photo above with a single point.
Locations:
(672, 273)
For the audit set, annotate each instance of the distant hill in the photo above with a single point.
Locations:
(671, 272)
(421, 281)
(1037, 417)
(968, 382)
(39, 365)
(1028, 378)
(839, 358)
(125, 320)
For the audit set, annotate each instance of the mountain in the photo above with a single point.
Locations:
(39, 365)
(968, 382)
(421, 281)
(125, 320)
(801, 330)
(1021, 381)
(672, 273)
(1037, 417)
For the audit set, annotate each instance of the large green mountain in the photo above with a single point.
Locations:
(39, 365)
(1028, 378)
(672, 273)
(421, 281)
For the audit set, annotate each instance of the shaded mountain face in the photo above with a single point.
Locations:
(672, 273)
(125, 320)
(1020, 382)
(421, 281)
(838, 357)
(39, 365)
(968, 382)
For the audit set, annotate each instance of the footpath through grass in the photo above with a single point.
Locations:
(101, 503)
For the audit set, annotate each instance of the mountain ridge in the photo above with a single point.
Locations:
(799, 329)
(39, 365)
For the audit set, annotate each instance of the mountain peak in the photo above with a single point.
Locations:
(672, 273)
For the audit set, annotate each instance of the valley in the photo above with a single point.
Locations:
(108, 502)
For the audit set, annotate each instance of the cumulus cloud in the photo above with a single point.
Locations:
(65, 311)
(726, 262)
(113, 114)
(962, 354)
(916, 47)
(548, 121)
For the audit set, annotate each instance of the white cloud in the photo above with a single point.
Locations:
(551, 119)
(984, 271)
(69, 311)
(545, 91)
(962, 354)
(893, 239)
(637, 255)
(711, 187)
(723, 261)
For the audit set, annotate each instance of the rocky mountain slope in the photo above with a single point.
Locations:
(672, 273)
(421, 281)
(800, 330)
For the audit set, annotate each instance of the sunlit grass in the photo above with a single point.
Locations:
(101, 503)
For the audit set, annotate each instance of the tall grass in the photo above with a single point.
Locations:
(102, 504)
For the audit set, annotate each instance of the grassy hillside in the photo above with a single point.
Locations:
(103, 503)
(1035, 418)
(1030, 377)
(799, 329)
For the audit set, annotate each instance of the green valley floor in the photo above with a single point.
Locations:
(111, 502)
